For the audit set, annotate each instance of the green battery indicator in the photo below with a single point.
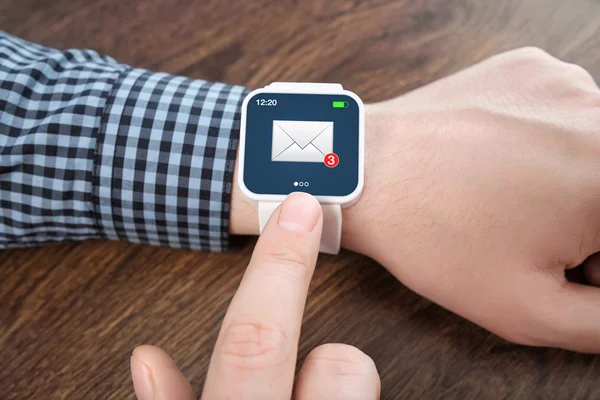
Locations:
(340, 104)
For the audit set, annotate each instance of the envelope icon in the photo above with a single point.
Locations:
(301, 141)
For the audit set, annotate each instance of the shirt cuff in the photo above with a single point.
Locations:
(164, 160)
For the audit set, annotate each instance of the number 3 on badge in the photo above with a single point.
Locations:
(331, 160)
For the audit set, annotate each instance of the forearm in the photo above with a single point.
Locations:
(94, 149)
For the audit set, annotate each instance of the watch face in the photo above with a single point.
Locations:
(303, 142)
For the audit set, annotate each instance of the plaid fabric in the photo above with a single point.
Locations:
(90, 148)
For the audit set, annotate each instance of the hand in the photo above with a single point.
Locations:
(255, 354)
(482, 188)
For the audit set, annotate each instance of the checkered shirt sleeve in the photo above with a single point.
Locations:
(90, 148)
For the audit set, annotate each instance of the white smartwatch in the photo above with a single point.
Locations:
(303, 137)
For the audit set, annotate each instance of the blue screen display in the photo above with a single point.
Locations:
(302, 142)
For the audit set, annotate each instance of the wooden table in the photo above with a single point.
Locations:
(71, 314)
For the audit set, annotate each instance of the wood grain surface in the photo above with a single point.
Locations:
(71, 314)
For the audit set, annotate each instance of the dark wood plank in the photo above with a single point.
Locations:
(71, 314)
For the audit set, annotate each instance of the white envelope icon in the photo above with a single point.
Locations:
(301, 141)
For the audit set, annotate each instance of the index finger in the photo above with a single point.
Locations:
(255, 354)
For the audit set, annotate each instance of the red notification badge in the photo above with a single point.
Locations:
(331, 160)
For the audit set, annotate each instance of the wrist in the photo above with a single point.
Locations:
(387, 180)
(243, 216)
(355, 226)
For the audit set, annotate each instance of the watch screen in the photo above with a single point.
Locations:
(302, 142)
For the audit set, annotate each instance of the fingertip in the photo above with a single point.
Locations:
(152, 354)
(338, 371)
(345, 358)
(299, 213)
(142, 379)
(292, 235)
(155, 375)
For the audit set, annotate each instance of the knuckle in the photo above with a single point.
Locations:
(253, 344)
(593, 100)
(523, 63)
(524, 335)
(530, 53)
(341, 360)
(527, 57)
(536, 324)
(578, 71)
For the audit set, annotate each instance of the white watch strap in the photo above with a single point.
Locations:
(305, 87)
(332, 224)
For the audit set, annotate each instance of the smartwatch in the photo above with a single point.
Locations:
(303, 137)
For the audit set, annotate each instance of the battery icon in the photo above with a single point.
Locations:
(340, 104)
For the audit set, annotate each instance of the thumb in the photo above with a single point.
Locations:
(575, 315)
(156, 377)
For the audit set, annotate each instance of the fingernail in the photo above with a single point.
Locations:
(299, 213)
(142, 380)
